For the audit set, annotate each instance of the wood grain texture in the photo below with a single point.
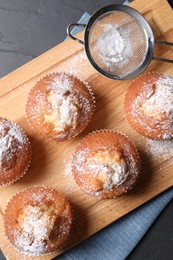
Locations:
(50, 158)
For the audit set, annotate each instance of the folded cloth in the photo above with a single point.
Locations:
(116, 241)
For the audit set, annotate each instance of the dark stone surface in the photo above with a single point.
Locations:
(157, 244)
(30, 27)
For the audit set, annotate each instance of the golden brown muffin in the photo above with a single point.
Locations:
(149, 105)
(106, 164)
(60, 106)
(38, 220)
(15, 152)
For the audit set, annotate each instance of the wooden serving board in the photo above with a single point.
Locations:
(50, 158)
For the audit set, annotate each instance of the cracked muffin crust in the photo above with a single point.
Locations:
(149, 105)
(106, 164)
(60, 106)
(38, 220)
(15, 152)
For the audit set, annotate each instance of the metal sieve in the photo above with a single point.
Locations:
(118, 42)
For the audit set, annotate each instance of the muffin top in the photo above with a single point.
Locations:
(14, 151)
(60, 106)
(38, 220)
(149, 105)
(159, 102)
(105, 164)
(11, 142)
(108, 166)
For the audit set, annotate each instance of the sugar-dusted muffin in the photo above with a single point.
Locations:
(15, 152)
(60, 106)
(149, 105)
(38, 220)
(106, 164)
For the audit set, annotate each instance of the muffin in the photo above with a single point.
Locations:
(60, 106)
(106, 164)
(149, 105)
(15, 152)
(38, 220)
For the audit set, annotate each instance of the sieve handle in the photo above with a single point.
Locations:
(72, 36)
(163, 42)
(163, 59)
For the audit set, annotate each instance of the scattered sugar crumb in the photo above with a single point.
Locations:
(69, 178)
(159, 149)
(68, 170)
(75, 65)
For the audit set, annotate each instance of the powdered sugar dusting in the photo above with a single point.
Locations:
(68, 170)
(68, 174)
(111, 45)
(11, 140)
(75, 65)
(36, 224)
(63, 108)
(103, 167)
(159, 149)
(155, 102)
(160, 103)
(61, 84)
(41, 196)
(108, 168)
(41, 223)
(114, 50)
(65, 111)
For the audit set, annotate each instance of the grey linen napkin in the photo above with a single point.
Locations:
(116, 241)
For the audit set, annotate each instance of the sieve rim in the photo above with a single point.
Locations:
(146, 28)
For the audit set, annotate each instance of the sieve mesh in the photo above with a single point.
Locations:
(117, 43)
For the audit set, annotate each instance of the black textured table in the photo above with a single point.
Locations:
(30, 27)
